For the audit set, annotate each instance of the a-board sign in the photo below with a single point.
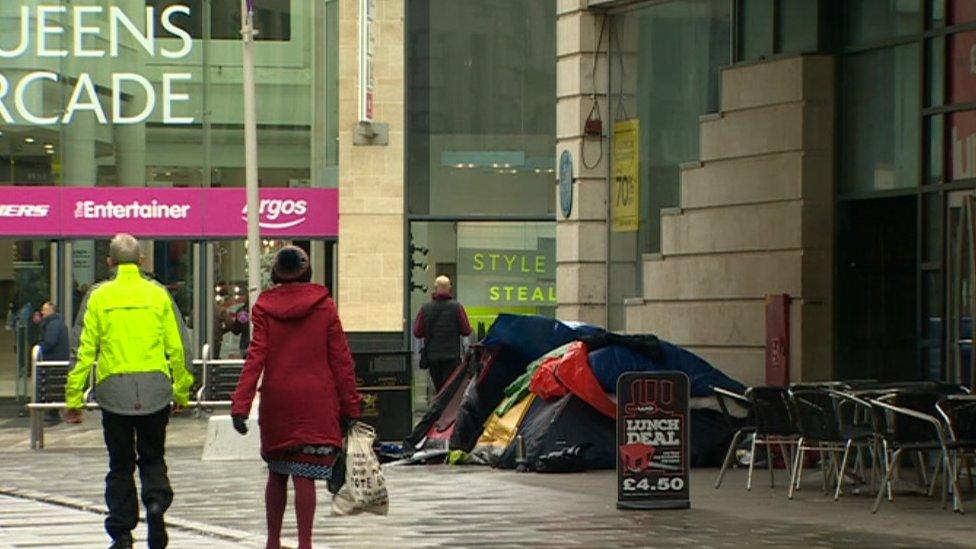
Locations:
(652, 441)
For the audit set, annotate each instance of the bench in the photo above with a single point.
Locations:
(217, 380)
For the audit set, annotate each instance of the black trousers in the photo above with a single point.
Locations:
(440, 370)
(131, 441)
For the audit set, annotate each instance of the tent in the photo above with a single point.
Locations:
(512, 343)
(500, 431)
(542, 396)
(560, 424)
(437, 425)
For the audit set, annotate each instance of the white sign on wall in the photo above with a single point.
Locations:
(367, 44)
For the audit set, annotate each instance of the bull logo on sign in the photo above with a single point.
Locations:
(636, 458)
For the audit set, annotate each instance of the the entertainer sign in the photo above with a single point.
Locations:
(186, 213)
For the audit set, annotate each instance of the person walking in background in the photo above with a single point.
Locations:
(441, 323)
(54, 334)
(308, 392)
(54, 344)
(129, 327)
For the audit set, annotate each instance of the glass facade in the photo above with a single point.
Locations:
(880, 130)
(907, 130)
(148, 93)
(481, 136)
(482, 121)
(664, 74)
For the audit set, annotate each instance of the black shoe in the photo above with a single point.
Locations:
(158, 538)
(121, 542)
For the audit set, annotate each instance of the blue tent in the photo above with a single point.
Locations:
(610, 362)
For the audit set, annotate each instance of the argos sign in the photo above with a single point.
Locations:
(178, 213)
(279, 213)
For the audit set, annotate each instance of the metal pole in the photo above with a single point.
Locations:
(251, 155)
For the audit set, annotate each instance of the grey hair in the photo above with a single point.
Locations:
(124, 248)
(443, 283)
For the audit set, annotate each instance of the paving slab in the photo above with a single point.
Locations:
(434, 506)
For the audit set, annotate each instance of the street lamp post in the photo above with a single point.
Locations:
(251, 156)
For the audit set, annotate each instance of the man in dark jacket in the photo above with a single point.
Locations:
(54, 334)
(441, 323)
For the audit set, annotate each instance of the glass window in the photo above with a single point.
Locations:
(961, 149)
(755, 29)
(272, 17)
(935, 64)
(933, 297)
(198, 140)
(25, 274)
(798, 22)
(961, 11)
(665, 74)
(935, 153)
(868, 21)
(880, 134)
(962, 67)
(494, 267)
(932, 226)
(482, 120)
(936, 14)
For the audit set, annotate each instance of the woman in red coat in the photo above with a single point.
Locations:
(308, 389)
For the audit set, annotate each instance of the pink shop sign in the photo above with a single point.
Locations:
(30, 211)
(177, 213)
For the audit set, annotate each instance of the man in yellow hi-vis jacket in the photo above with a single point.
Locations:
(130, 327)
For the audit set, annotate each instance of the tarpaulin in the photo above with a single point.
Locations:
(609, 363)
(571, 373)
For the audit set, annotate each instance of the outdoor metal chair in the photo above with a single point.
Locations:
(959, 414)
(913, 427)
(726, 399)
(774, 426)
(820, 426)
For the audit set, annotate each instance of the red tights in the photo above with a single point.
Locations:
(275, 498)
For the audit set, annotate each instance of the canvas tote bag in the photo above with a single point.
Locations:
(365, 487)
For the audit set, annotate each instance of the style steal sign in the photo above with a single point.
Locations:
(652, 441)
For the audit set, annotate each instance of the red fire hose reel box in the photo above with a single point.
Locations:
(778, 340)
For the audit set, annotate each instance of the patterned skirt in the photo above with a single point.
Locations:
(310, 461)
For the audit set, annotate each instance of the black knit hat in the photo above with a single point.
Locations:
(291, 265)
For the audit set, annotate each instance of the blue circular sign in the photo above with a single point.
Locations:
(566, 183)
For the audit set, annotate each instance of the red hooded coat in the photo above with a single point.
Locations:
(309, 377)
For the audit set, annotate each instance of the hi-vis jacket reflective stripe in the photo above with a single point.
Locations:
(129, 327)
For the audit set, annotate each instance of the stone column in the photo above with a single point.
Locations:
(371, 180)
(581, 238)
(78, 149)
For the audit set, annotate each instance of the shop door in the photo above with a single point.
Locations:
(960, 278)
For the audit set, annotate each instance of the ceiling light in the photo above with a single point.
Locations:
(28, 140)
(49, 151)
(49, 145)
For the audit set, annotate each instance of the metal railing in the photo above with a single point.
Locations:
(47, 394)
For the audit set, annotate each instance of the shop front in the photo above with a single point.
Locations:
(54, 241)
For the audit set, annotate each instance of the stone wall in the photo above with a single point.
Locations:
(371, 178)
(756, 218)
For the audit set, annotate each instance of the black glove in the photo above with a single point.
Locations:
(240, 424)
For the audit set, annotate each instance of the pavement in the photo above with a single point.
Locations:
(53, 498)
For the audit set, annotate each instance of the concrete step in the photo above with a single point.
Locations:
(782, 81)
(724, 276)
(776, 177)
(752, 227)
(766, 130)
(700, 323)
